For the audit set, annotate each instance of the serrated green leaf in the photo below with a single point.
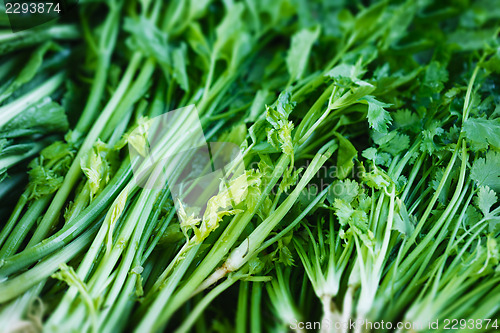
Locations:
(486, 171)
(378, 118)
(486, 198)
(483, 132)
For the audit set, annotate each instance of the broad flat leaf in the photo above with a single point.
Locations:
(486, 171)
(345, 156)
(402, 221)
(179, 68)
(258, 106)
(493, 64)
(367, 21)
(483, 132)
(298, 55)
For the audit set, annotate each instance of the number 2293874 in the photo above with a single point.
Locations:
(32, 8)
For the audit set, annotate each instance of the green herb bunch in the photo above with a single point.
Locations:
(370, 136)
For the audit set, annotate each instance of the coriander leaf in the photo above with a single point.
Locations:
(486, 172)
(483, 132)
(392, 142)
(347, 190)
(485, 199)
(472, 215)
(405, 119)
(379, 158)
(278, 116)
(280, 136)
(428, 145)
(343, 210)
(434, 78)
(378, 117)
(402, 221)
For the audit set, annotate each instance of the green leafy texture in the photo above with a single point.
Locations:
(282, 254)
(392, 142)
(44, 117)
(472, 215)
(276, 117)
(290, 179)
(67, 274)
(233, 42)
(377, 157)
(405, 119)
(376, 178)
(356, 91)
(346, 190)
(366, 23)
(29, 70)
(345, 156)
(298, 54)
(280, 136)
(180, 61)
(435, 77)
(402, 220)
(348, 215)
(378, 118)
(428, 144)
(485, 171)
(483, 132)
(96, 166)
(226, 202)
(485, 199)
(149, 39)
(493, 63)
(48, 170)
(438, 176)
(344, 73)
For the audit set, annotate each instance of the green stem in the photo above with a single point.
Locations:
(75, 170)
(107, 45)
(12, 288)
(188, 322)
(72, 229)
(9, 111)
(13, 217)
(24, 226)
